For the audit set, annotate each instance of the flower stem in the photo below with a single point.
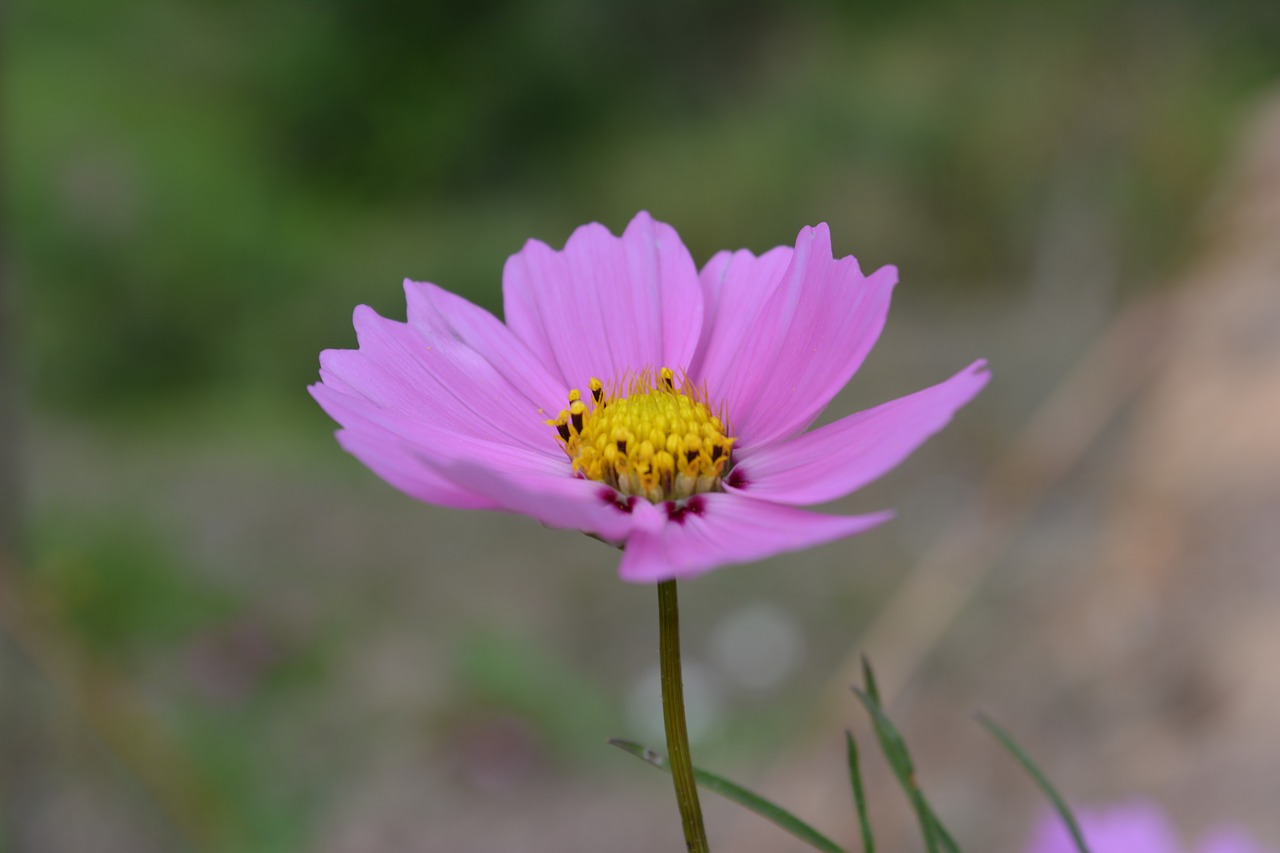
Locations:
(695, 836)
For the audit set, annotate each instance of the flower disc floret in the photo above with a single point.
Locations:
(646, 437)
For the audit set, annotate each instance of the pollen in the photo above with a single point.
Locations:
(648, 435)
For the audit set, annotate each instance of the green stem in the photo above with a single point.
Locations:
(695, 836)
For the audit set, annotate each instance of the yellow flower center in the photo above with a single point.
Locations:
(646, 437)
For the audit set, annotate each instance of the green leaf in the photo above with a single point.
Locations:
(736, 793)
(1059, 804)
(895, 751)
(948, 843)
(869, 680)
(859, 796)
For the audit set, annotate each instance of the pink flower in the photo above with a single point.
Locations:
(1132, 828)
(636, 399)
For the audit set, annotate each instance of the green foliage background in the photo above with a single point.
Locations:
(195, 188)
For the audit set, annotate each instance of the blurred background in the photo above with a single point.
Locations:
(219, 632)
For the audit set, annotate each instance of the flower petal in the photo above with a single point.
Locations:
(452, 384)
(430, 441)
(474, 473)
(557, 500)
(721, 528)
(1228, 839)
(793, 336)
(606, 306)
(447, 371)
(735, 286)
(397, 464)
(836, 459)
(441, 315)
(1136, 827)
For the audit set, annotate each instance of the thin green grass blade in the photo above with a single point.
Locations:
(869, 680)
(1059, 804)
(740, 795)
(944, 838)
(859, 796)
(895, 751)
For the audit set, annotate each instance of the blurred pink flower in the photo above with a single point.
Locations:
(1137, 827)
(634, 398)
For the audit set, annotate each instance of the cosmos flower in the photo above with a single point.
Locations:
(634, 398)
(1136, 827)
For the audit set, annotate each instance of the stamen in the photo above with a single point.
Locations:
(561, 423)
(646, 437)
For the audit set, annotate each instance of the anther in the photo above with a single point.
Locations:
(647, 437)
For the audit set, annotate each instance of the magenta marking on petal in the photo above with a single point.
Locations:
(609, 496)
(725, 527)
(693, 506)
(738, 478)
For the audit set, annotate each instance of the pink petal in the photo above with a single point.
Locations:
(735, 286)
(474, 473)
(430, 441)
(836, 459)
(792, 336)
(557, 500)
(452, 384)
(442, 315)
(397, 464)
(1230, 840)
(716, 529)
(606, 306)
(1131, 828)
(446, 371)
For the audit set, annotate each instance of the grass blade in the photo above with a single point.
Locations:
(948, 843)
(859, 796)
(895, 751)
(740, 795)
(1059, 804)
(869, 680)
